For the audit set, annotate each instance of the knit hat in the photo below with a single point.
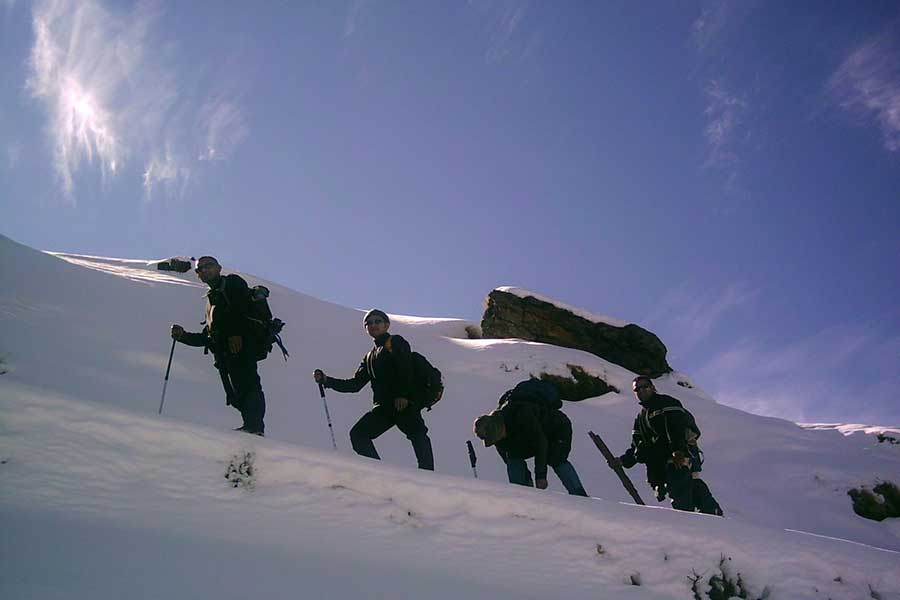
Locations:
(377, 313)
(489, 428)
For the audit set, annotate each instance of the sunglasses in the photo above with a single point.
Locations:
(374, 322)
(204, 267)
(642, 387)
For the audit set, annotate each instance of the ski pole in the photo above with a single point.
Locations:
(472, 458)
(166, 381)
(327, 415)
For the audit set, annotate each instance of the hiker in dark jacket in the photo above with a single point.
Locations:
(664, 438)
(227, 334)
(521, 428)
(388, 367)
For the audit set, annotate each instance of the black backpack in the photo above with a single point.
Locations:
(427, 385)
(267, 329)
(543, 394)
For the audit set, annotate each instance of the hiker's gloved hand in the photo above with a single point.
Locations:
(540, 484)
(319, 376)
(680, 459)
(661, 491)
(177, 332)
(235, 343)
(615, 462)
(400, 404)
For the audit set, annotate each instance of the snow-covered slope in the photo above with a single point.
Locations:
(84, 341)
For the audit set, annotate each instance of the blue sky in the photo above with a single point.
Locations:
(726, 174)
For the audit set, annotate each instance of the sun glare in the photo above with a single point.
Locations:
(81, 104)
(85, 123)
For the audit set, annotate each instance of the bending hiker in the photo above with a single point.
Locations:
(528, 423)
(388, 366)
(664, 438)
(229, 335)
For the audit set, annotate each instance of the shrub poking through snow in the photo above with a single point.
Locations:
(880, 503)
(241, 472)
(722, 584)
(883, 437)
(580, 386)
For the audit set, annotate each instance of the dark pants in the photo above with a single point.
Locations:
(380, 419)
(558, 429)
(243, 389)
(687, 490)
(518, 473)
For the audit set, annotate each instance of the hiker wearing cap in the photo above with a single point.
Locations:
(527, 424)
(664, 438)
(227, 333)
(388, 367)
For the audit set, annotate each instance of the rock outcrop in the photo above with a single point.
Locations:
(523, 316)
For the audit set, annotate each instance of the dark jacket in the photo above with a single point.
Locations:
(227, 309)
(531, 431)
(662, 427)
(388, 366)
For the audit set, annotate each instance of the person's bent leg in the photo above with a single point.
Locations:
(518, 473)
(370, 426)
(569, 478)
(411, 423)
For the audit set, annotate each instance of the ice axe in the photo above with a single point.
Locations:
(616, 466)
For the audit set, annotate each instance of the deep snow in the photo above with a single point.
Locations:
(103, 498)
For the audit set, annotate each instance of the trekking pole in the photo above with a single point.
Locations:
(327, 415)
(472, 458)
(166, 381)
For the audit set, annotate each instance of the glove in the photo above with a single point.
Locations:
(319, 376)
(176, 332)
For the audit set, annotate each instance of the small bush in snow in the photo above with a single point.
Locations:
(879, 503)
(473, 332)
(241, 472)
(883, 437)
(722, 584)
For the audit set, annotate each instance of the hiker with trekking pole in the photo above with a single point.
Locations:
(403, 384)
(239, 330)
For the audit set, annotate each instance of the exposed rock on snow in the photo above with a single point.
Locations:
(580, 386)
(880, 503)
(516, 313)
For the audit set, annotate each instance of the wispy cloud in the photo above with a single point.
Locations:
(77, 77)
(689, 315)
(724, 116)
(354, 15)
(167, 171)
(13, 154)
(110, 84)
(727, 108)
(224, 127)
(867, 83)
(845, 373)
(508, 36)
